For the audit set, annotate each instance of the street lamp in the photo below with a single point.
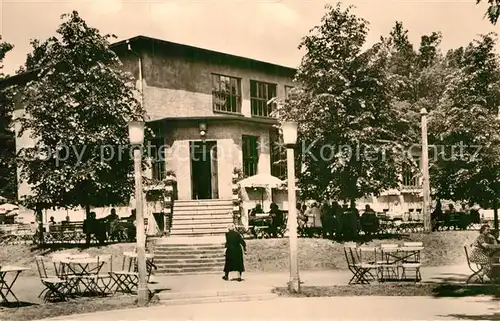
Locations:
(289, 130)
(425, 174)
(136, 136)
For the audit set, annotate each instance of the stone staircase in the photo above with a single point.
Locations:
(185, 257)
(201, 217)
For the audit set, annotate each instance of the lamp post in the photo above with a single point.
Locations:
(290, 139)
(425, 173)
(136, 135)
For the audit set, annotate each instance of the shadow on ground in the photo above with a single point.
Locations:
(494, 316)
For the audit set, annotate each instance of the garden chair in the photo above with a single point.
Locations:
(387, 268)
(360, 271)
(55, 287)
(124, 280)
(476, 268)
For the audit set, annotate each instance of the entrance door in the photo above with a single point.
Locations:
(214, 171)
(201, 169)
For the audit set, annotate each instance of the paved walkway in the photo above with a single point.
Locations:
(336, 308)
(27, 288)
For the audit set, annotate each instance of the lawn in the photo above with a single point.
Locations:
(387, 289)
(271, 255)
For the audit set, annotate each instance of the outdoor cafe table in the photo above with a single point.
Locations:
(5, 285)
(82, 270)
(402, 254)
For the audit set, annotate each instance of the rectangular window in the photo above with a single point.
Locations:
(411, 176)
(278, 156)
(260, 93)
(287, 91)
(226, 94)
(250, 149)
(157, 148)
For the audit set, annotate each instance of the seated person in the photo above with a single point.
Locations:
(277, 219)
(484, 255)
(252, 216)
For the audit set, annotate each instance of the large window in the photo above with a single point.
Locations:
(226, 94)
(278, 156)
(411, 176)
(157, 152)
(260, 93)
(287, 91)
(250, 149)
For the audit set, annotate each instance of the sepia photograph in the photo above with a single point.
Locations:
(220, 159)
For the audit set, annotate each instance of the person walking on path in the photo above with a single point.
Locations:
(235, 246)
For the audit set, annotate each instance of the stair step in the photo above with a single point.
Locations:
(203, 203)
(203, 210)
(187, 226)
(187, 256)
(195, 231)
(190, 246)
(238, 298)
(163, 262)
(191, 219)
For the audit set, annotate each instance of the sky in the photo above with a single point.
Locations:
(268, 30)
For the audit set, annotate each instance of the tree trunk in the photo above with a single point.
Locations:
(39, 215)
(87, 211)
(495, 218)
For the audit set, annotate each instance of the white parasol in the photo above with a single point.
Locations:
(7, 208)
(261, 180)
(264, 181)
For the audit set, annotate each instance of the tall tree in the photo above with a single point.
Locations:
(418, 78)
(8, 185)
(78, 110)
(351, 139)
(466, 129)
(493, 11)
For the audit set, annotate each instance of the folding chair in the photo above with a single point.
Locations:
(124, 280)
(476, 268)
(368, 255)
(54, 286)
(388, 270)
(103, 281)
(359, 270)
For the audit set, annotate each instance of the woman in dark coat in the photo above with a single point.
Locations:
(235, 246)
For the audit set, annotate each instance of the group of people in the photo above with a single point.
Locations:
(272, 222)
(454, 218)
(333, 219)
(108, 227)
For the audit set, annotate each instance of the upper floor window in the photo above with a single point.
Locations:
(287, 91)
(260, 93)
(226, 93)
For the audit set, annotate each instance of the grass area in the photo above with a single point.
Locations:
(271, 255)
(79, 306)
(424, 289)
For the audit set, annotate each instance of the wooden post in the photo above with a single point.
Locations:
(425, 174)
(142, 290)
(294, 283)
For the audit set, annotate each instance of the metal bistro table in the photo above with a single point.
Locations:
(5, 285)
(84, 271)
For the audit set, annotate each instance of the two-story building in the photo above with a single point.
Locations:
(210, 116)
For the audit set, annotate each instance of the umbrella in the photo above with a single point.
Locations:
(5, 208)
(261, 181)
